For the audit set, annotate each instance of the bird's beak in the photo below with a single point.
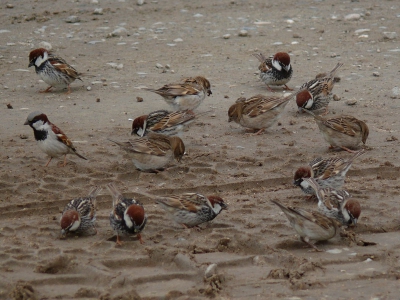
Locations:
(26, 122)
(30, 64)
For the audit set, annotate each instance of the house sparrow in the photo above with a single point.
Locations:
(163, 122)
(186, 95)
(258, 112)
(79, 214)
(328, 172)
(317, 93)
(192, 209)
(127, 215)
(154, 151)
(50, 138)
(343, 131)
(334, 203)
(53, 70)
(311, 226)
(275, 71)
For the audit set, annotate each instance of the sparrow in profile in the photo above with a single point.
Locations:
(327, 172)
(334, 203)
(311, 226)
(317, 92)
(52, 69)
(258, 112)
(127, 215)
(186, 95)
(192, 209)
(276, 70)
(163, 122)
(79, 214)
(345, 132)
(154, 151)
(50, 138)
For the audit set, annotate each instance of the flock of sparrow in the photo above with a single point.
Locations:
(158, 144)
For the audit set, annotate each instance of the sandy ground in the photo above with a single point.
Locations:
(257, 253)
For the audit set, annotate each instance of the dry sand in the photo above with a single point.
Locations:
(257, 253)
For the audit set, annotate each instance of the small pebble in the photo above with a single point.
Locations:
(98, 100)
(9, 106)
(159, 66)
(9, 5)
(211, 270)
(140, 2)
(120, 31)
(352, 17)
(178, 40)
(88, 88)
(351, 102)
(23, 136)
(139, 99)
(243, 33)
(376, 74)
(72, 19)
(390, 35)
(98, 11)
(226, 36)
(336, 97)
(296, 36)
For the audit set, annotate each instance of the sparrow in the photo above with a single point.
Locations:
(50, 138)
(258, 112)
(317, 93)
(79, 214)
(163, 122)
(334, 203)
(154, 151)
(311, 226)
(52, 69)
(188, 94)
(327, 172)
(192, 209)
(276, 70)
(343, 131)
(127, 215)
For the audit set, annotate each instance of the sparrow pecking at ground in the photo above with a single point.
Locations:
(328, 172)
(317, 93)
(127, 215)
(154, 151)
(50, 138)
(345, 132)
(258, 112)
(276, 70)
(192, 209)
(163, 122)
(79, 215)
(335, 203)
(53, 70)
(311, 226)
(186, 95)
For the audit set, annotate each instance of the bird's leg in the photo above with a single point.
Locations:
(46, 90)
(69, 90)
(139, 236)
(65, 161)
(307, 241)
(269, 89)
(288, 88)
(118, 242)
(325, 112)
(48, 162)
(259, 132)
(348, 150)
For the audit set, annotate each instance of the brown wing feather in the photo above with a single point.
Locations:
(173, 119)
(64, 67)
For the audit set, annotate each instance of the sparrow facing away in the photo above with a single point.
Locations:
(192, 209)
(345, 132)
(186, 95)
(311, 226)
(163, 122)
(328, 172)
(53, 70)
(50, 138)
(317, 93)
(275, 71)
(258, 112)
(127, 215)
(79, 214)
(334, 204)
(154, 151)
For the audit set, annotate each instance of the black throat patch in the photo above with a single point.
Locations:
(40, 135)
